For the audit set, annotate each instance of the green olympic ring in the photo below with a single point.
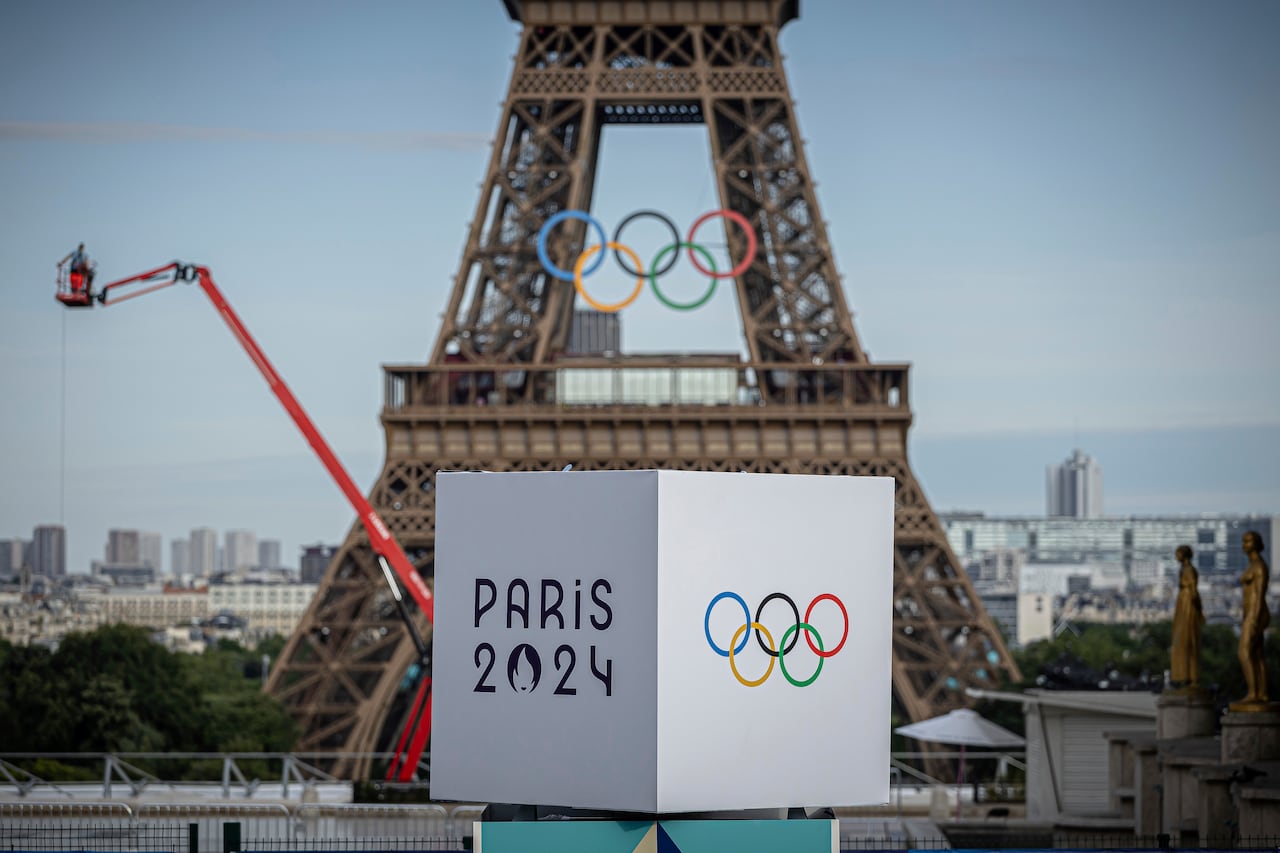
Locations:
(782, 660)
(653, 276)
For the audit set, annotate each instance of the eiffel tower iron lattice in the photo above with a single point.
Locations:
(498, 395)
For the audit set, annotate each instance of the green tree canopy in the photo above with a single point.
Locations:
(115, 690)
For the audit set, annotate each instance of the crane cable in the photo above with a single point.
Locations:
(62, 425)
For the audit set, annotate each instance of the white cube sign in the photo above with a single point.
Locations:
(662, 641)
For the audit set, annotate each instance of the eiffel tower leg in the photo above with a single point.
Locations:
(339, 670)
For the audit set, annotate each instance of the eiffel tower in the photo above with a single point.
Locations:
(499, 395)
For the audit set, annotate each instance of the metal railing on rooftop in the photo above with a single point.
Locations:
(645, 381)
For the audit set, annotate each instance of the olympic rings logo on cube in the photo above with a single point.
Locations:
(777, 652)
(662, 262)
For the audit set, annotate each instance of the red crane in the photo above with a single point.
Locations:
(75, 291)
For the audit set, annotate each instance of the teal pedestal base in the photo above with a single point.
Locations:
(664, 836)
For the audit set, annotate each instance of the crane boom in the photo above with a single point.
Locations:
(391, 557)
(380, 538)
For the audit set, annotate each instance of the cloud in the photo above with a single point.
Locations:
(94, 133)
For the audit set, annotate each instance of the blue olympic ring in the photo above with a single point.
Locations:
(545, 258)
(706, 624)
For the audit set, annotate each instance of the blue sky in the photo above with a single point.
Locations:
(1065, 215)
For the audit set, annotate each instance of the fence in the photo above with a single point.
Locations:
(131, 837)
(1058, 842)
(201, 828)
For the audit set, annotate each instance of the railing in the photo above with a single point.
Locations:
(645, 381)
(203, 827)
(192, 829)
(227, 773)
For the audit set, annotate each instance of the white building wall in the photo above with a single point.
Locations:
(1068, 769)
(267, 608)
(1035, 617)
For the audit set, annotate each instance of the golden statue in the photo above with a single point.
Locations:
(1253, 626)
(1188, 616)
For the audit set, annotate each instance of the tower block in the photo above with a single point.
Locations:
(499, 395)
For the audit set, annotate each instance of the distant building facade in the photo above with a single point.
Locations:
(1074, 488)
(204, 551)
(13, 555)
(1035, 617)
(49, 550)
(180, 556)
(150, 550)
(125, 574)
(1128, 545)
(123, 548)
(258, 610)
(269, 554)
(266, 608)
(315, 560)
(151, 607)
(241, 551)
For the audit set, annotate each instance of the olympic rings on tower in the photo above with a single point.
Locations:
(660, 265)
(786, 643)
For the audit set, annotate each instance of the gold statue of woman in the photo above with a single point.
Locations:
(1188, 616)
(1253, 626)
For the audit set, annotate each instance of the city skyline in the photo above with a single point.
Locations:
(1067, 217)
(133, 547)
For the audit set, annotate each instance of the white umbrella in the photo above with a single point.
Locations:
(962, 728)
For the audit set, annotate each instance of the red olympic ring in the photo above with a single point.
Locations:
(809, 612)
(747, 258)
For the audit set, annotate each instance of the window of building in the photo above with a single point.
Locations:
(1205, 536)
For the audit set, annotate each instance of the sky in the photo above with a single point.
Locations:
(1064, 215)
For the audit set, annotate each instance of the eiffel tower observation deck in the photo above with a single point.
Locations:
(503, 392)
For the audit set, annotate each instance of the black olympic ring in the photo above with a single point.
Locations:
(795, 637)
(675, 238)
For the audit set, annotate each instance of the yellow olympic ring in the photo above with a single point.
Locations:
(772, 660)
(600, 306)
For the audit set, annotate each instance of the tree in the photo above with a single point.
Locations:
(115, 690)
(1134, 651)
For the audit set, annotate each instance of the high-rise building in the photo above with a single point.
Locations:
(49, 550)
(241, 551)
(315, 559)
(204, 551)
(1074, 488)
(269, 554)
(123, 548)
(150, 550)
(180, 556)
(13, 554)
